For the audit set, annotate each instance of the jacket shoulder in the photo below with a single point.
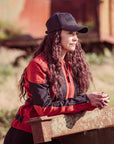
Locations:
(40, 62)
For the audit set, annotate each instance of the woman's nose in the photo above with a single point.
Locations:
(75, 38)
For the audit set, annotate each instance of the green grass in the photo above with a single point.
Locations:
(98, 59)
(6, 118)
(9, 30)
(5, 72)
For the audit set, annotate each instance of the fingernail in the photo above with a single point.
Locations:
(102, 92)
(102, 102)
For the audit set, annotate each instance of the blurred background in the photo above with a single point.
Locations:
(22, 28)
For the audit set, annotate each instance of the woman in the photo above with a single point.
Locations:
(56, 80)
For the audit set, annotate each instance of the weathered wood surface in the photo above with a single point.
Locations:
(46, 128)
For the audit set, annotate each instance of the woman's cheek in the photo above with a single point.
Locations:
(64, 44)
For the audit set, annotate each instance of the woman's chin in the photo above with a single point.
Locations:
(71, 49)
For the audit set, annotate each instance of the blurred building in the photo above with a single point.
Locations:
(31, 15)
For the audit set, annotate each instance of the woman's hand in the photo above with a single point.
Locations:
(98, 99)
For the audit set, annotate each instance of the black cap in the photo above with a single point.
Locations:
(64, 21)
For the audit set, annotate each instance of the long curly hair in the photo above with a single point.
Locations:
(52, 50)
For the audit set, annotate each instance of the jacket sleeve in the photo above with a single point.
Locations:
(42, 101)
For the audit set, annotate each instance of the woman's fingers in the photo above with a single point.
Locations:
(99, 99)
(103, 95)
(100, 105)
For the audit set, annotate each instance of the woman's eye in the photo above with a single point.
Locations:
(73, 33)
(70, 32)
(77, 33)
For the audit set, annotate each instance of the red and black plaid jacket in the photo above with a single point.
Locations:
(41, 100)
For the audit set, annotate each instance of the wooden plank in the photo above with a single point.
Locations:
(96, 136)
(106, 21)
(70, 124)
(46, 128)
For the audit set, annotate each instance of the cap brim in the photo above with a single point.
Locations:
(82, 29)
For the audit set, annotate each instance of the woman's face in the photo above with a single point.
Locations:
(68, 40)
